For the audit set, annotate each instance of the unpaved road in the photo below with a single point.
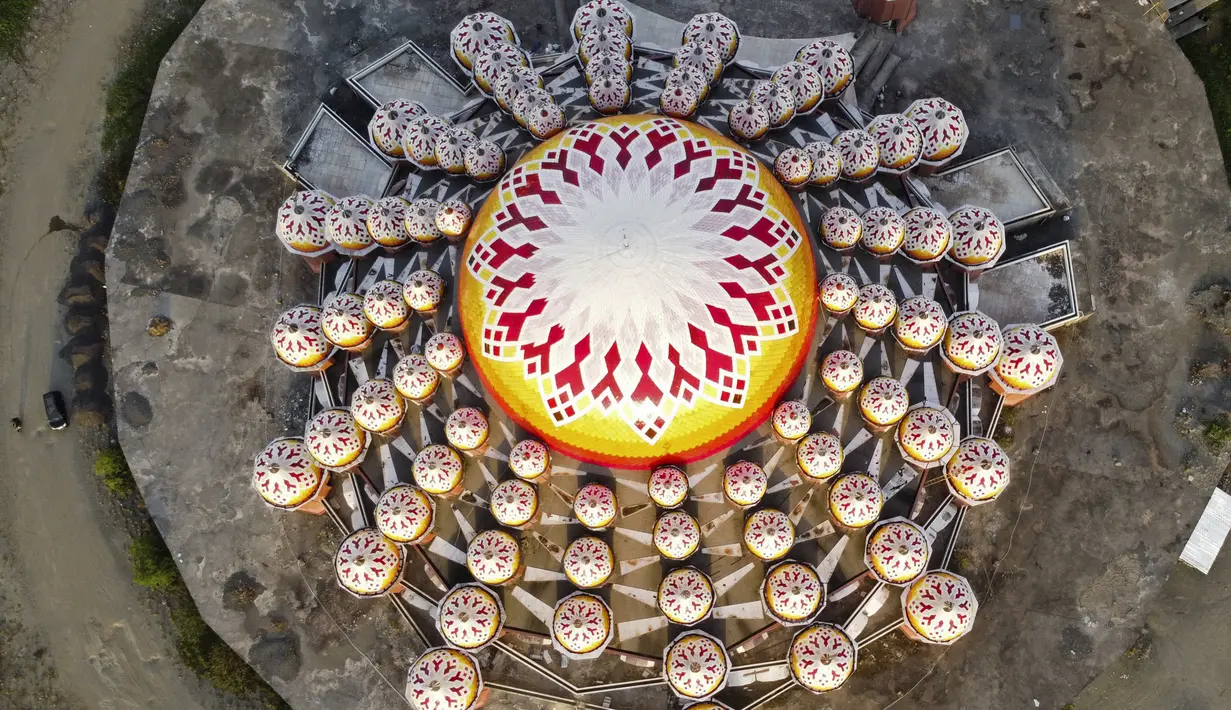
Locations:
(77, 633)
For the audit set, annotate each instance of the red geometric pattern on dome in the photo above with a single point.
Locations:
(424, 290)
(444, 351)
(595, 506)
(860, 154)
(610, 95)
(883, 401)
(831, 61)
(778, 101)
(415, 378)
(515, 502)
(610, 63)
(705, 58)
(804, 83)
(388, 124)
(826, 163)
(841, 227)
(972, 342)
(494, 61)
(769, 534)
(747, 119)
(978, 237)
(898, 139)
(942, 126)
(792, 592)
(822, 657)
(1031, 358)
(979, 471)
(688, 76)
(897, 551)
(476, 33)
(285, 475)
(469, 616)
(602, 15)
(855, 500)
(599, 42)
(842, 371)
(744, 483)
(940, 607)
(529, 459)
(450, 148)
(493, 557)
(820, 456)
(792, 420)
(581, 624)
(716, 29)
(668, 486)
(437, 469)
(679, 101)
(511, 83)
(334, 440)
(485, 159)
(696, 665)
(384, 306)
(839, 293)
(676, 535)
(367, 563)
(588, 562)
(876, 307)
(377, 406)
(466, 429)
(443, 679)
(346, 224)
(387, 222)
(883, 231)
(301, 221)
(921, 323)
(405, 513)
(685, 596)
(793, 167)
(421, 219)
(927, 433)
(420, 137)
(729, 302)
(297, 337)
(928, 234)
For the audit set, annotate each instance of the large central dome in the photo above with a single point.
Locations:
(638, 289)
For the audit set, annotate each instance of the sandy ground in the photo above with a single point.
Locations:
(76, 632)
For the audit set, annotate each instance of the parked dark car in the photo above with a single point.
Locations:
(53, 403)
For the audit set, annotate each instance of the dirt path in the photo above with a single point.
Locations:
(73, 590)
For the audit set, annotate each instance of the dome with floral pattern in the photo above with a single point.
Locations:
(470, 616)
(285, 475)
(855, 500)
(940, 607)
(696, 665)
(792, 593)
(897, 551)
(819, 456)
(822, 657)
(368, 564)
(686, 596)
(405, 514)
(979, 472)
(1030, 361)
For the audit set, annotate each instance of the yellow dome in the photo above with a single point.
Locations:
(595, 506)
(298, 340)
(405, 514)
(668, 487)
(792, 592)
(897, 551)
(466, 429)
(581, 625)
(494, 557)
(377, 406)
(696, 665)
(855, 500)
(676, 535)
(301, 223)
(769, 534)
(942, 127)
(841, 371)
(515, 503)
(822, 657)
(978, 472)
(529, 459)
(686, 596)
(335, 441)
(588, 562)
(1031, 359)
(972, 343)
(928, 234)
(469, 616)
(713, 28)
(443, 679)
(876, 308)
(476, 33)
(927, 435)
(819, 456)
(792, 420)
(602, 15)
(438, 469)
(899, 141)
(285, 475)
(367, 563)
(744, 483)
(920, 324)
(415, 378)
(883, 401)
(940, 607)
(343, 322)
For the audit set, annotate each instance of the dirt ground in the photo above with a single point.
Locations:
(74, 630)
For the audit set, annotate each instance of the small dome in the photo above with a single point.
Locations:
(897, 551)
(443, 679)
(476, 33)
(928, 235)
(842, 371)
(702, 56)
(978, 472)
(368, 564)
(610, 95)
(529, 459)
(415, 378)
(769, 534)
(819, 456)
(860, 154)
(420, 138)
(921, 324)
(826, 163)
(484, 161)
(469, 616)
(512, 82)
(1030, 362)
(688, 76)
(298, 340)
(978, 238)
(466, 429)
(940, 608)
(405, 514)
(515, 503)
(388, 125)
(387, 222)
(883, 401)
(377, 406)
(972, 343)
(609, 63)
(526, 100)
(778, 101)
(595, 506)
(423, 291)
(581, 625)
(680, 101)
(792, 420)
(494, 557)
(927, 435)
(696, 665)
(792, 593)
(438, 469)
(803, 82)
(334, 440)
(494, 61)
(668, 487)
(686, 596)
(748, 120)
(544, 119)
(708, 705)
(899, 141)
(421, 221)
(713, 28)
(832, 63)
(942, 126)
(883, 231)
(876, 308)
(451, 145)
(588, 562)
(676, 535)
(822, 657)
(285, 475)
(793, 167)
(600, 41)
(384, 306)
(444, 352)
(602, 15)
(841, 228)
(855, 500)
(744, 483)
(301, 222)
(346, 224)
(839, 293)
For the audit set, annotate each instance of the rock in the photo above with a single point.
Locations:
(77, 321)
(135, 410)
(1213, 305)
(159, 326)
(81, 294)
